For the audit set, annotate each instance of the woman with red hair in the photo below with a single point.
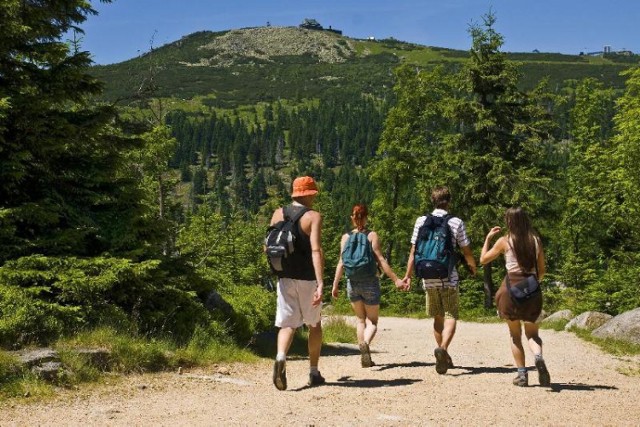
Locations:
(364, 290)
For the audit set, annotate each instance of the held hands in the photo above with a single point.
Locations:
(403, 284)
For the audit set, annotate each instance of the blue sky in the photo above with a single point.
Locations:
(125, 28)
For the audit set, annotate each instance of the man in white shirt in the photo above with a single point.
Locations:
(443, 294)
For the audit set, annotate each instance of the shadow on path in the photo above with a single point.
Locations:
(475, 370)
(558, 387)
(384, 367)
(365, 383)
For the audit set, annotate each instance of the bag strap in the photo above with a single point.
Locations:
(535, 264)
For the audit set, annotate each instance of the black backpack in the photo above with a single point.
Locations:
(281, 238)
(434, 255)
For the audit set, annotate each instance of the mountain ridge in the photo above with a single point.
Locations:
(247, 65)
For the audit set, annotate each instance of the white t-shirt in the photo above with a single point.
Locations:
(458, 237)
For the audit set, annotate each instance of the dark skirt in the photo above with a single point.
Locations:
(507, 309)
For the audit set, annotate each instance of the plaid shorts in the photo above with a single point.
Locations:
(443, 301)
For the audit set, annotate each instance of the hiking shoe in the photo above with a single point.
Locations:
(316, 379)
(450, 364)
(365, 356)
(442, 364)
(280, 375)
(543, 374)
(521, 380)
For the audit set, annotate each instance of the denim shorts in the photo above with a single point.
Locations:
(367, 291)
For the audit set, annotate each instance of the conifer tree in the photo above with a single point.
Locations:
(63, 179)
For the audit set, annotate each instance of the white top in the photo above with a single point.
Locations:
(458, 237)
(511, 262)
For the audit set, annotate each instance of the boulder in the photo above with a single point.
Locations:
(588, 320)
(49, 371)
(37, 356)
(543, 315)
(623, 327)
(558, 316)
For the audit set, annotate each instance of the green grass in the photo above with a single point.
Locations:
(127, 354)
(609, 345)
(15, 382)
(336, 329)
(556, 325)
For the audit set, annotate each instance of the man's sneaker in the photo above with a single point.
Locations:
(543, 374)
(521, 380)
(316, 379)
(450, 364)
(365, 356)
(280, 375)
(442, 364)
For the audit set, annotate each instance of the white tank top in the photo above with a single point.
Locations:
(511, 262)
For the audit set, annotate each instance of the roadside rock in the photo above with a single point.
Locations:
(559, 315)
(49, 371)
(588, 320)
(625, 327)
(37, 356)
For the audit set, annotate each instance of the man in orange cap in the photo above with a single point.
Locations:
(300, 284)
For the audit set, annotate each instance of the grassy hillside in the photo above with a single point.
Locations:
(267, 63)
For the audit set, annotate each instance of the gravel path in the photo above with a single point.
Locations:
(587, 388)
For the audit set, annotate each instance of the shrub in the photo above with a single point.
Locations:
(254, 310)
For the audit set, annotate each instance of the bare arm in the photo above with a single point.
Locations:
(382, 262)
(317, 255)
(498, 248)
(409, 271)
(468, 256)
(339, 268)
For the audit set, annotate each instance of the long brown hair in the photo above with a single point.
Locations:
(523, 237)
(359, 215)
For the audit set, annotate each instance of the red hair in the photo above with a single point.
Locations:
(359, 215)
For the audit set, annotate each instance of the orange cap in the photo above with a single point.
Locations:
(304, 186)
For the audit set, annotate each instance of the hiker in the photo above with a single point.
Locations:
(300, 283)
(524, 257)
(439, 275)
(360, 256)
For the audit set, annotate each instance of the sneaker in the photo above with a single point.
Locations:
(543, 374)
(450, 364)
(521, 380)
(442, 364)
(365, 356)
(280, 375)
(316, 379)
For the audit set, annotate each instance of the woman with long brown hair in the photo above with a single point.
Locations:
(364, 291)
(524, 257)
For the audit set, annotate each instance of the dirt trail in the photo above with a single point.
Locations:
(403, 389)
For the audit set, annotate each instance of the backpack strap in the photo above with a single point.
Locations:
(286, 213)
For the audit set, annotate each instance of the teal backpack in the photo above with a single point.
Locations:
(357, 257)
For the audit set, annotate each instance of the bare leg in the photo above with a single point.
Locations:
(285, 338)
(438, 328)
(315, 344)
(531, 332)
(515, 331)
(448, 332)
(372, 312)
(361, 318)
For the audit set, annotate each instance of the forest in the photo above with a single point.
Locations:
(150, 220)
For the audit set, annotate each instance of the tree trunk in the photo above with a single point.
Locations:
(394, 206)
(488, 286)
